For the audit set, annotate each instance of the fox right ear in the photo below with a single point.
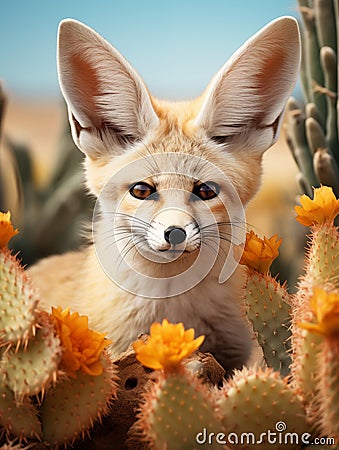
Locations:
(244, 104)
(108, 104)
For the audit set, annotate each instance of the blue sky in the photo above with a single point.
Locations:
(176, 46)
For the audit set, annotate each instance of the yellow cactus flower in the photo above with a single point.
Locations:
(167, 345)
(325, 306)
(6, 229)
(82, 347)
(323, 208)
(260, 253)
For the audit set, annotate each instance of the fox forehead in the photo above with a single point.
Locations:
(179, 115)
(171, 181)
(173, 159)
(167, 149)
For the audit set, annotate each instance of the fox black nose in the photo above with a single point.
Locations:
(175, 235)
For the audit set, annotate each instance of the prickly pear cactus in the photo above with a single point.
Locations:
(178, 409)
(312, 132)
(316, 298)
(299, 336)
(267, 303)
(52, 367)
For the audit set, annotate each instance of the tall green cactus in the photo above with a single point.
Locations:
(312, 132)
(51, 215)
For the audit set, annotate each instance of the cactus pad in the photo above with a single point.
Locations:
(18, 302)
(328, 384)
(268, 308)
(175, 411)
(305, 364)
(21, 419)
(29, 370)
(258, 401)
(71, 407)
(322, 257)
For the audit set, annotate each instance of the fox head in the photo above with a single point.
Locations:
(172, 178)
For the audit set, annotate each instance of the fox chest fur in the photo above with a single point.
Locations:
(171, 182)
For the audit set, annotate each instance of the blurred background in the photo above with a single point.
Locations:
(176, 47)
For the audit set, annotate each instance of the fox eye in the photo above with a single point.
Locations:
(141, 190)
(206, 191)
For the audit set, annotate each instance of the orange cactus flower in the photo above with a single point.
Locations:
(167, 345)
(325, 306)
(260, 253)
(7, 230)
(323, 208)
(82, 347)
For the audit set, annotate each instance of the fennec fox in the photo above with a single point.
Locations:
(171, 180)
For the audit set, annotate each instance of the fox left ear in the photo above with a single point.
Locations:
(245, 101)
(109, 106)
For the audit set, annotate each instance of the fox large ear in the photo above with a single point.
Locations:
(109, 106)
(245, 101)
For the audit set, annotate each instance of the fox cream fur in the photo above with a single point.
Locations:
(190, 149)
